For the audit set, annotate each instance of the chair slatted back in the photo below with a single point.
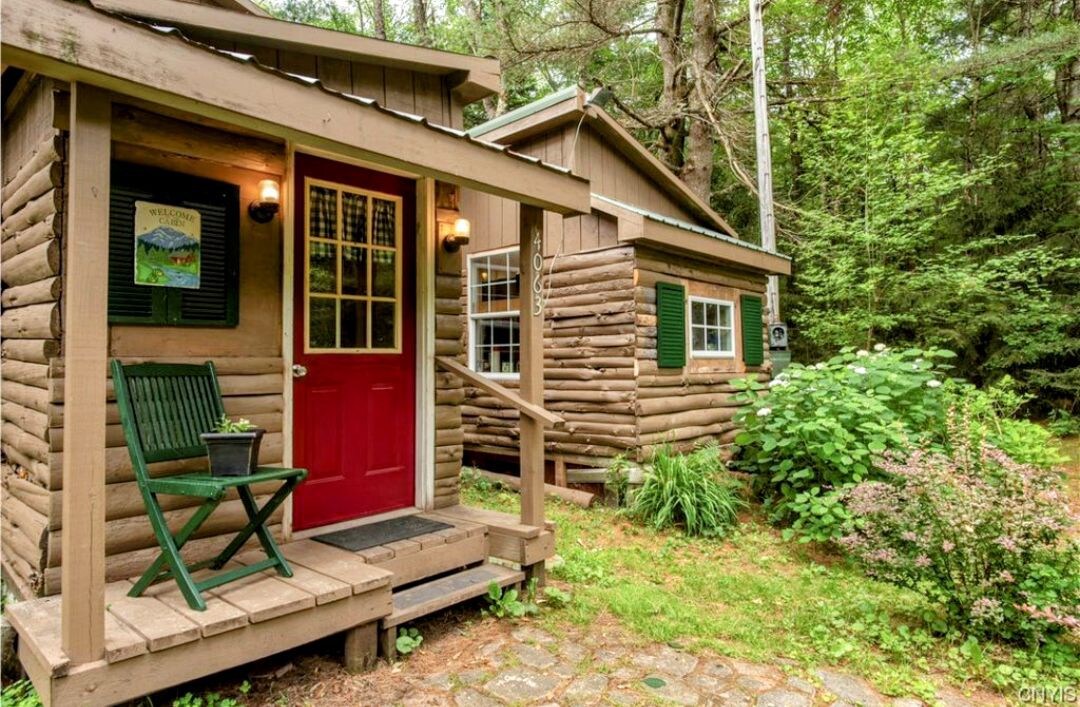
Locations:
(164, 407)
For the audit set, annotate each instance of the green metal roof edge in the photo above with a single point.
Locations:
(524, 111)
(687, 226)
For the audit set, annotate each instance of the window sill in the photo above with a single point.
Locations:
(712, 355)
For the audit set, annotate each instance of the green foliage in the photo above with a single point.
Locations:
(976, 533)
(408, 640)
(557, 597)
(818, 429)
(211, 699)
(20, 693)
(509, 604)
(617, 480)
(690, 491)
(1064, 424)
(227, 426)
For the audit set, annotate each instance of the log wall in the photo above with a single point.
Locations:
(30, 325)
(694, 404)
(449, 389)
(600, 369)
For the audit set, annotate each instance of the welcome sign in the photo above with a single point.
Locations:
(168, 241)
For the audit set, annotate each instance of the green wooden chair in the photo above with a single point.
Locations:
(164, 408)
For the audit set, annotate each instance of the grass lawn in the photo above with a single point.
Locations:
(755, 596)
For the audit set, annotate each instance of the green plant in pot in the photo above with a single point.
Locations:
(233, 447)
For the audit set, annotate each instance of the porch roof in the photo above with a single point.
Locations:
(473, 77)
(666, 231)
(74, 42)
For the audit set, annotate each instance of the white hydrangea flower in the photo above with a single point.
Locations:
(879, 347)
(819, 366)
(861, 370)
(862, 353)
(933, 383)
(777, 382)
(764, 412)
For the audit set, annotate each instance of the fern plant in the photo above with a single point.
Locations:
(689, 491)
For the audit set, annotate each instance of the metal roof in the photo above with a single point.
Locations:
(357, 100)
(687, 226)
(525, 111)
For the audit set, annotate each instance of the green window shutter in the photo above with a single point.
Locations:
(752, 327)
(670, 325)
(217, 301)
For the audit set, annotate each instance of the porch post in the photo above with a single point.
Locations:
(82, 575)
(531, 317)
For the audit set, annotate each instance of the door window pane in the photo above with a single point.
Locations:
(322, 212)
(322, 267)
(383, 273)
(384, 223)
(382, 325)
(322, 315)
(353, 271)
(353, 324)
(354, 217)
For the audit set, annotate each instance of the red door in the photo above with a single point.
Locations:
(355, 342)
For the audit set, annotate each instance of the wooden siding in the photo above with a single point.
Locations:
(600, 369)
(400, 89)
(693, 404)
(31, 327)
(449, 389)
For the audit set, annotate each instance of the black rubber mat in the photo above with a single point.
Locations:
(386, 531)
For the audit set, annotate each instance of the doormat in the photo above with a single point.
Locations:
(386, 531)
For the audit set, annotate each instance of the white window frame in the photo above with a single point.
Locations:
(694, 353)
(483, 316)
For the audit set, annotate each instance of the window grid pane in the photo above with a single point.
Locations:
(711, 328)
(494, 297)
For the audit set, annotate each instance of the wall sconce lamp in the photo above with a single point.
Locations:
(454, 233)
(263, 209)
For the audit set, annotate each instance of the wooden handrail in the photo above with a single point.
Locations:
(548, 419)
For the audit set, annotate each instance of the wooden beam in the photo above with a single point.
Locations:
(82, 578)
(668, 238)
(531, 384)
(76, 43)
(525, 406)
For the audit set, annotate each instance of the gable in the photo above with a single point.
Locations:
(610, 172)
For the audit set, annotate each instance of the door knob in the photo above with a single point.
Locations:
(298, 371)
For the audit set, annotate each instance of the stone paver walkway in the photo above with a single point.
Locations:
(490, 663)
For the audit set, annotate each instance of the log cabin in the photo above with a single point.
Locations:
(652, 304)
(320, 174)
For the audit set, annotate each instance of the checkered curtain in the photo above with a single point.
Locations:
(382, 223)
(323, 216)
(354, 215)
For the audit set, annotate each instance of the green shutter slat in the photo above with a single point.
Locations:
(670, 325)
(752, 330)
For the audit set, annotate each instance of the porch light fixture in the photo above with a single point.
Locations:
(456, 234)
(263, 209)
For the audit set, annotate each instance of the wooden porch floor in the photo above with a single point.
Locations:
(156, 641)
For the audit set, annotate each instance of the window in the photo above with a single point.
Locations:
(216, 300)
(353, 288)
(712, 328)
(494, 297)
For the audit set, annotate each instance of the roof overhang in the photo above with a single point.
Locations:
(74, 42)
(641, 226)
(571, 104)
(472, 78)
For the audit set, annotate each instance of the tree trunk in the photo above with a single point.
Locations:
(669, 16)
(379, 15)
(420, 22)
(698, 162)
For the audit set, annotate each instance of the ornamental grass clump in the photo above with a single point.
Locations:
(691, 491)
(980, 535)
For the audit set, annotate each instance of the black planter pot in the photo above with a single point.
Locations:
(233, 453)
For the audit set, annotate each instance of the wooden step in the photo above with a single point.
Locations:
(427, 598)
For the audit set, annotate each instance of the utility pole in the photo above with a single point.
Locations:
(764, 153)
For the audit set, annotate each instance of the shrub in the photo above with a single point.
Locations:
(689, 491)
(816, 429)
(977, 533)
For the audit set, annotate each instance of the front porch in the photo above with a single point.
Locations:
(156, 641)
